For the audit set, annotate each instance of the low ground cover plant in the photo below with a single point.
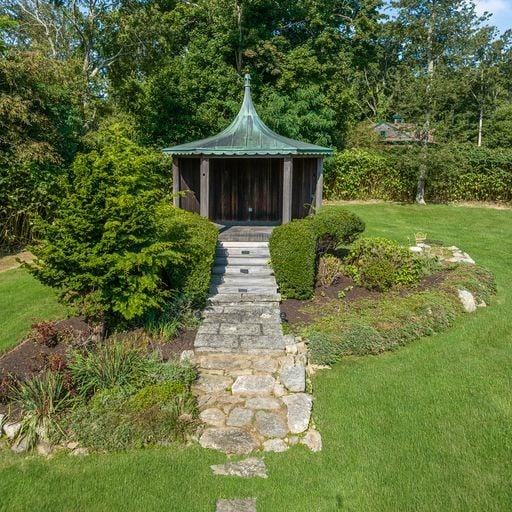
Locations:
(374, 325)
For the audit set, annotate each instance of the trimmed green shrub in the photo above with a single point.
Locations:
(379, 263)
(155, 394)
(294, 247)
(363, 174)
(336, 227)
(195, 238)
(293, 253)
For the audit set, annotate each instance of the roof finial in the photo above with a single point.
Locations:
(247, 80)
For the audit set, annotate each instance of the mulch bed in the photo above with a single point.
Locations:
(297, 311)
(31, 357)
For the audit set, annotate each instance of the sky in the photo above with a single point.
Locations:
(501, 11)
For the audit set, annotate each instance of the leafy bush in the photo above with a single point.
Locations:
(155, 394)
(377, 274)
(379, 263)
(322, 349)
(40, 399)
(104, 250)
(109, 365)
(293, 253)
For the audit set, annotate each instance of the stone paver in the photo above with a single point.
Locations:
(270, 424)
(294, 377)
(244, 468)
(229, 440)
(246, 505)
(253, 385)
(299, 411)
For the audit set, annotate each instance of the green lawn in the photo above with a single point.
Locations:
(23, 300)
(426, 428)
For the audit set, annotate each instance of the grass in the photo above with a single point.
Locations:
(425, 428)
(23, 300)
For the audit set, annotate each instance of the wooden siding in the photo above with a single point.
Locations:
(303, 183)
(190, 181)
(237, 184)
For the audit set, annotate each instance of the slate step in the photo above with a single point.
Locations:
(243, 252)
(269, 318)
(243, 280)
(245, 245)
(263, 270)
(230, 288)
(242, 260)
(233, 298)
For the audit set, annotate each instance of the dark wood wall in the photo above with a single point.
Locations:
(190, 181)
(303, 186)
(237, 184)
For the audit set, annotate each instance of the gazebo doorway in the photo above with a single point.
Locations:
(246, 190)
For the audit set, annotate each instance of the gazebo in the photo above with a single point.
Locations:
(248, 173)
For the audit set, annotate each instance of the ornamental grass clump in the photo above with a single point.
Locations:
(109, 365)
(41, 400)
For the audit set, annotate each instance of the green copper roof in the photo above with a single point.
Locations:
(247, 135)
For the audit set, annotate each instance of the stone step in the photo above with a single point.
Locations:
(250, 245)
(243, 280)
(263, 270)
(242, 252)
(241, 261)
(247, 317)
(238, 343)
(246, 329)
(243, 308)
(230, 288)
(234, 298)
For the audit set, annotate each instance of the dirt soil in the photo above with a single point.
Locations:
(31, 357)
(302, 312)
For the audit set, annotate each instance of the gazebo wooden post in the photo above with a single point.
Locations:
(319, 182)
(175, 182)
(287, 189)
(204, 207)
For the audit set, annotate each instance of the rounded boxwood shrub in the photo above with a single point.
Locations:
(336, 226)
(293, 253)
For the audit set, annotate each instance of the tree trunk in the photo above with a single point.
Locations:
(480, 126)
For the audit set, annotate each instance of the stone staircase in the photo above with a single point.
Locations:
(243, 311)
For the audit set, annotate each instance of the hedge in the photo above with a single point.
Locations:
(455, 172)
(294, 247)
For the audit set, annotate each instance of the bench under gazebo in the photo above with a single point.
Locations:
(248, 173)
